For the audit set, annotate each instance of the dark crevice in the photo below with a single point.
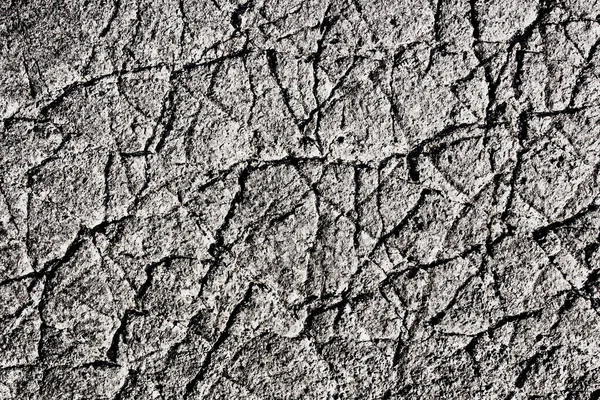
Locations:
(236, 15)
(113, 16)
(223, 336)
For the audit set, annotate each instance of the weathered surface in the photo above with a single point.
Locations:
(300, 199)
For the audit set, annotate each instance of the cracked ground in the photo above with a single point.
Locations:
(299, 199)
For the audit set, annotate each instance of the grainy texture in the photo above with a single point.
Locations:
(299, 199)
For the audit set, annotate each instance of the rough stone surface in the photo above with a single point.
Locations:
(300, 199)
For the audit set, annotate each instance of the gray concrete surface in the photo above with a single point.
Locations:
(299, 199)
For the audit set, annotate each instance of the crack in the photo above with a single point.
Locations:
(49, 273)
(271, 56)
(474, 20)
(531, 363)
(324, 27)
(218, 247)
(395, 231)
(523, 126)
(540, 233)
(68, 90)
(236, 15)
(580, 80)
(185, 25)
(192, 385)
(113, 16)
(129, 381)
(169, 108)
(32, 90)
(192, 65)
(414, 154)
(107, 195)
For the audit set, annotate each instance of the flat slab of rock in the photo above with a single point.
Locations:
(300, 199)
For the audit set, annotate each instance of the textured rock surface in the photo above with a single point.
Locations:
(300, 199)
